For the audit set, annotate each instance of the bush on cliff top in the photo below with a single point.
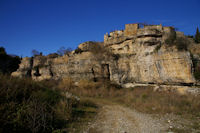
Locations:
(181, 43)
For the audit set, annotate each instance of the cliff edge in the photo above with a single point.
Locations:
(148, 54)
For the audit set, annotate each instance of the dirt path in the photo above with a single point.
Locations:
(114, 118)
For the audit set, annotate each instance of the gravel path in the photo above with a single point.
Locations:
(119, 119)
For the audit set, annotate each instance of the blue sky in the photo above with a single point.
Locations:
(47, 25)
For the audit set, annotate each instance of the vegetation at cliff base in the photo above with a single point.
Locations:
(30, 106)
(39, 107)
(27, 106)
(142, 98)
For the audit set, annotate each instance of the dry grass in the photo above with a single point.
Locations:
(66, 84)
(143, 99)
(87, 88)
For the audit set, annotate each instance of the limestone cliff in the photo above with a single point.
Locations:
(77, 66)
(135, 55)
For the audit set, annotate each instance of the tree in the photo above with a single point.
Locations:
(35, 52)
(8, 63)
(63, 51)
(197, 36)
(2, 51)
(67, 51)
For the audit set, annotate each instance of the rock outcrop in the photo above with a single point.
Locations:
(135, 55)
(77, 66)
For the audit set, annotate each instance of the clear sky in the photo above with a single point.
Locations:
(47, 25)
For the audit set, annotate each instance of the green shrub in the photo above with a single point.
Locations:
(171, 39)
(196, 67)
(197, 75)
(29, 106)
(182, 43)
(78, 51)
(157, 47)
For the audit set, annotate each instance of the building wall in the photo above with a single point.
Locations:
(131, 29)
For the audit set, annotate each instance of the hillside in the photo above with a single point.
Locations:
(142, 79)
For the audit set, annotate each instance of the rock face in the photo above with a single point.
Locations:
(160, 68)
(77, 66)
(135, 55)
(25, 68)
